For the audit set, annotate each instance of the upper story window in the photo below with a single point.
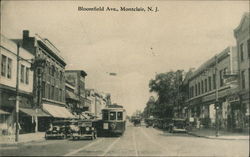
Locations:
(209, 83)
(214, 81)
(27, 75)
(243, 79)
(9, 68)
(248, 47)
(202, 86)
(199, 88)
(221, 77)
(3, 65)
(241, 52)
(205, 85)
(22, 73)
(196, 90)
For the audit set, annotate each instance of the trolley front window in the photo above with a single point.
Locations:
(119, 116)
(112, 115)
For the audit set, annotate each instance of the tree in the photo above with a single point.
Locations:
(168, 87)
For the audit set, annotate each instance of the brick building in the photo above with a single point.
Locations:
(49, 78)
(203, 84)
(242, 36)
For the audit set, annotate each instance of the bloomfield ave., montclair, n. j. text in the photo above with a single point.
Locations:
(117, 9)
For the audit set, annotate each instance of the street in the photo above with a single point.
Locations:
(136, 141)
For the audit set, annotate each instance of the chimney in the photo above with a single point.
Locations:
(25, 34)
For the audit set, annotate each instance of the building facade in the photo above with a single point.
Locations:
(49, 79)
(209, 91)
(242, 36)
(8, 76)
(76, 78)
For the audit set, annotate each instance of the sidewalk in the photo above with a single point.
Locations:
(224, 135)
(23, 138)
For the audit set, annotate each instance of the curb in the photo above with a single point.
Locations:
(216, 138)
(21, 142)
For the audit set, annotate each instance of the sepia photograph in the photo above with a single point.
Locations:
(124, 78)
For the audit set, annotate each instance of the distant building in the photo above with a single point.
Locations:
(8, 76)
(242, 36)
(98, 101)
(76, 78)
(202, 89)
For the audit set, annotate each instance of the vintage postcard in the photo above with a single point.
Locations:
(124, 78)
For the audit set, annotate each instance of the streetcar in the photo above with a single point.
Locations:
(113, 121)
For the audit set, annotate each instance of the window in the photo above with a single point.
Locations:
(27, 75)
(195, 89)
(60, 94)
(243, 79)
(43, 89)
(205, 85)
(209, 83)
(3, 65)
(105, 115)
(9, 68)
(214, 81)
(221, 77)
(52, 92)
(112, 115)
(248, 47)
(241, 52)
(119, 116)
(199, 88)
(22, 74)
(202, 86)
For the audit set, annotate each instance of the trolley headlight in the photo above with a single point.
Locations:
(87, 128)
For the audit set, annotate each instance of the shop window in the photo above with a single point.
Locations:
(3, 65)
(9, 68)
(112, 115)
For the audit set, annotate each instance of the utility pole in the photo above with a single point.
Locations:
(216, 99)
(17, 95)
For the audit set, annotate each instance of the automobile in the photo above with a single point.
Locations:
(83, 128)
(58, 129)
(177, 125)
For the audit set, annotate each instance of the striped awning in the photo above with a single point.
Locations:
(34, 112)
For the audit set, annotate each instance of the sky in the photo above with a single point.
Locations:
(135, 45)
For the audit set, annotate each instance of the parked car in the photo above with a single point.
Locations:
(58, 129)
(83, 128)
(177, 125)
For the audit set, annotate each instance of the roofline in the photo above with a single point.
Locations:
(245, 15)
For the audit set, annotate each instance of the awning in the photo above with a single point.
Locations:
(33, 112)
(71, 95)
(58, 111)
(3, 112)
